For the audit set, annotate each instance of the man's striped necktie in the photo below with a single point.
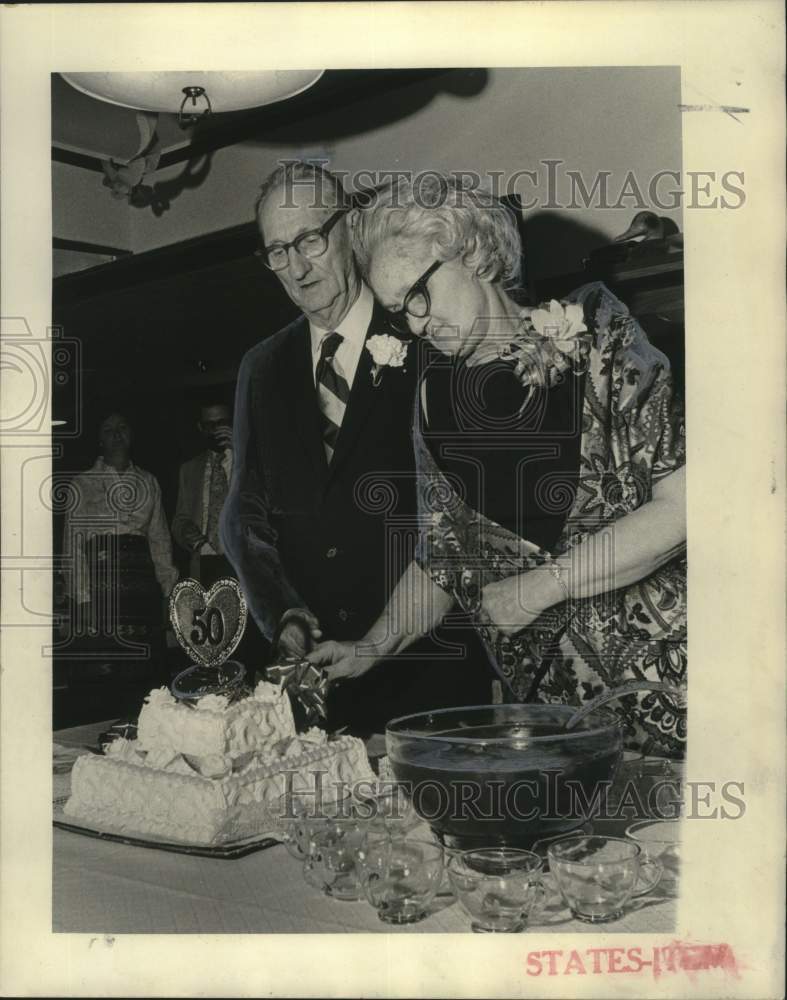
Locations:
(333, 392)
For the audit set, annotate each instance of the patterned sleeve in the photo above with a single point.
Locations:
(637, 381)
(647, 402)
(436, 549)
(670, 451)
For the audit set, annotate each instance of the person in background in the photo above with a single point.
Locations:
(119, 552)
(324, 472)
(203, 484)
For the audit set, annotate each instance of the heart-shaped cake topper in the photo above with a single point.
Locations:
(208, 625)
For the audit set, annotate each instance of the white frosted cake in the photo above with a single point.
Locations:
(211, 774)
(218, 734)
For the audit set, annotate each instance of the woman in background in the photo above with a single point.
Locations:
(550, 452)
(119, 553)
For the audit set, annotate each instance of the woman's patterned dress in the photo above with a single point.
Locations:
(632, 435)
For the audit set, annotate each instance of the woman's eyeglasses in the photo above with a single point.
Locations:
(417, 303)
(312, 243)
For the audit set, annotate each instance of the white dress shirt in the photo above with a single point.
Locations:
(353, 329)
(116, 503)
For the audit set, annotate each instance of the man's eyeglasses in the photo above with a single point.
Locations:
(417, 302)
(312, 243)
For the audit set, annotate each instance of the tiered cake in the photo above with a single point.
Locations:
(209, 774)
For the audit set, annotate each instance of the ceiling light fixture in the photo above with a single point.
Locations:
(209, 92)
(185, 119)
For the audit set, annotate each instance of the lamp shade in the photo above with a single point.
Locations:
(163, 92)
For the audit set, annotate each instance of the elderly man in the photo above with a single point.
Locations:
(324, 464)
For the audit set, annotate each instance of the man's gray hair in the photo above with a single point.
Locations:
(290, 174)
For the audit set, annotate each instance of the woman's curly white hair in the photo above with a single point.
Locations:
(438, 211)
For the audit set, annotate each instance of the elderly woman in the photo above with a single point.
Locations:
(550, 452)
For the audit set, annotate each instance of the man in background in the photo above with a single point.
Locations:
(202, 489)
(203, 485)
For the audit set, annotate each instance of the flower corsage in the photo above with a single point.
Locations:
(552, 335)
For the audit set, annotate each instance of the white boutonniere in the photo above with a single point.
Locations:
(386, 352)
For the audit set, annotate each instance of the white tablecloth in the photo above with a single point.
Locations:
(103, 887)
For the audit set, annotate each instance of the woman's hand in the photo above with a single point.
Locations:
(342, 660)
(516, 602)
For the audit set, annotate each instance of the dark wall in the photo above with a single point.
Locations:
(154, 334)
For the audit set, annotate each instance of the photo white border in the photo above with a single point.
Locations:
(729, 54)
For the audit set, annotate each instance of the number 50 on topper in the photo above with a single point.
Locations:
(208, 624)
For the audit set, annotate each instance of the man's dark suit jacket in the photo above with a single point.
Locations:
(301, 533)
(187, 522)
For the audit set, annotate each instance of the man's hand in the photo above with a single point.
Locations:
(223, 436)
(342, 660)
(299, 631)
(198, 540)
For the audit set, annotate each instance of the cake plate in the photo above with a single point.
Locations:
(229, 851)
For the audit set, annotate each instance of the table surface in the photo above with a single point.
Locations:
(107, 887)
